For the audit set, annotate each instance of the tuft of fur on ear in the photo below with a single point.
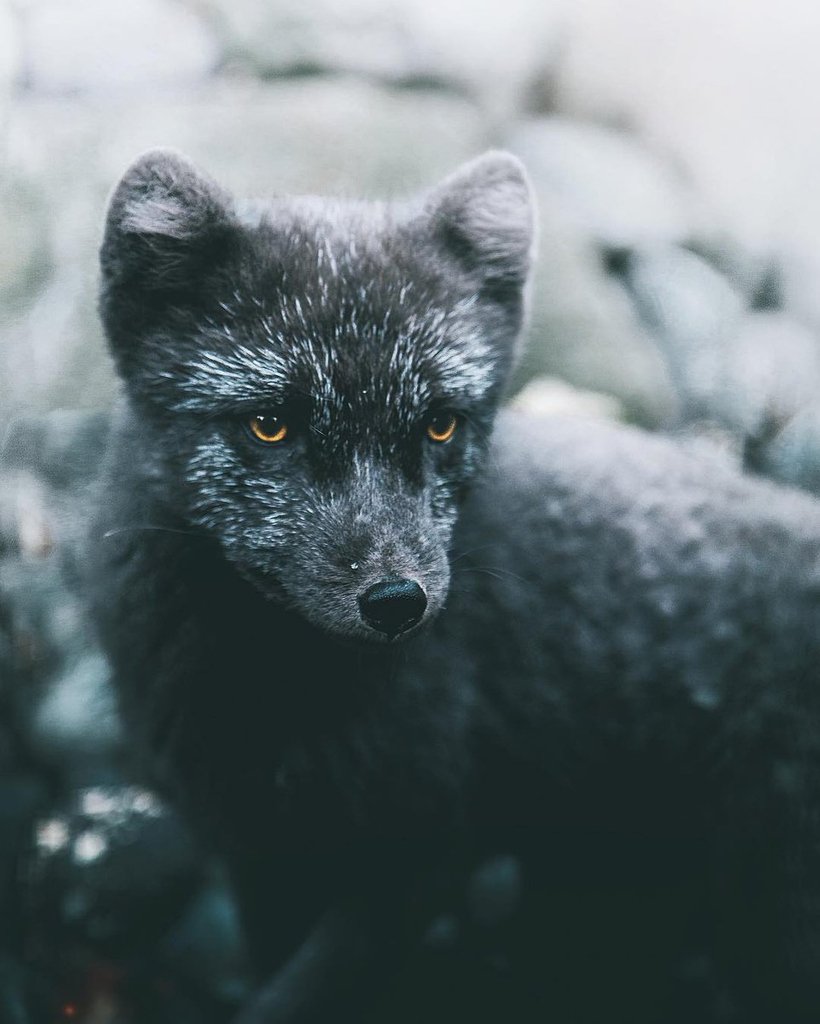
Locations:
(165, 222)
(484, 215)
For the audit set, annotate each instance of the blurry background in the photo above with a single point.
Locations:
(675, 150)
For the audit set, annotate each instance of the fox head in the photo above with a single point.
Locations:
(317, 379)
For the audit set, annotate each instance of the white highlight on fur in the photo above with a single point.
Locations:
(438, 352)
(462, 358)
(246, 374)
(224, 489)
(159, 214)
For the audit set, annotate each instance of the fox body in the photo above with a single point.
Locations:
(369, 633)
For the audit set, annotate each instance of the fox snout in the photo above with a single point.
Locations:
(392, 590)
(393, 606)
(368, 570)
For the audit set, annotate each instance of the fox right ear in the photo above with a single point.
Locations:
(483, 216)
(166, 223)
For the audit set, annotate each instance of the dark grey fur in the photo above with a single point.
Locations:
(617, 673)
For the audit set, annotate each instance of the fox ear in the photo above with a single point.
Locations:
(483, 215)
(166, 223)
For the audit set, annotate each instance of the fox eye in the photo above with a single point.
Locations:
(268, 429)
(441, 426)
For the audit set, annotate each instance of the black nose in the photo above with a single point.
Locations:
(393, 606)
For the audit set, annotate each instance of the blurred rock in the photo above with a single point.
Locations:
(77, 716)
(11, 54)
(283, 39)
(727, 91)
(12, 991)
(206, 945)
(749, 380)
(689, 78)
(548, 396)
(772, 374)
(494, 891)
(26, 526)
(48, 465)
(491, 52)
(59, 683)
(793, 455)
(798, 256)
(63, 447)
(25, 264)
(91, 46)
(443, 933)
(614, 189)
(757, 277)
(56, 678)
(599, 194)
(301, 136)
(583, 327)
(22, 796)
(695, 314)
(112, 870)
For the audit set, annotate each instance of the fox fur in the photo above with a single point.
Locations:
(615, 678)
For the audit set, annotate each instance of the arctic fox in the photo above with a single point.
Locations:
(370, 634)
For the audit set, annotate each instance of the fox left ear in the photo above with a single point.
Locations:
(168, 229)
(484, 215)
(165, 219)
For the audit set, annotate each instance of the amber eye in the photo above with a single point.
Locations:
(269, 429)
(441, 427)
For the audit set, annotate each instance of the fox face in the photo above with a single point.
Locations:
(316, 380)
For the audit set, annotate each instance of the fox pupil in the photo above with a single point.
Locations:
(270, 429)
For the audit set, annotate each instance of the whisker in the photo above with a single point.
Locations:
(148, 527)
(470, 551)
(495, 572)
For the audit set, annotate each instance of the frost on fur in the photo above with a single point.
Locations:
(184, 270)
